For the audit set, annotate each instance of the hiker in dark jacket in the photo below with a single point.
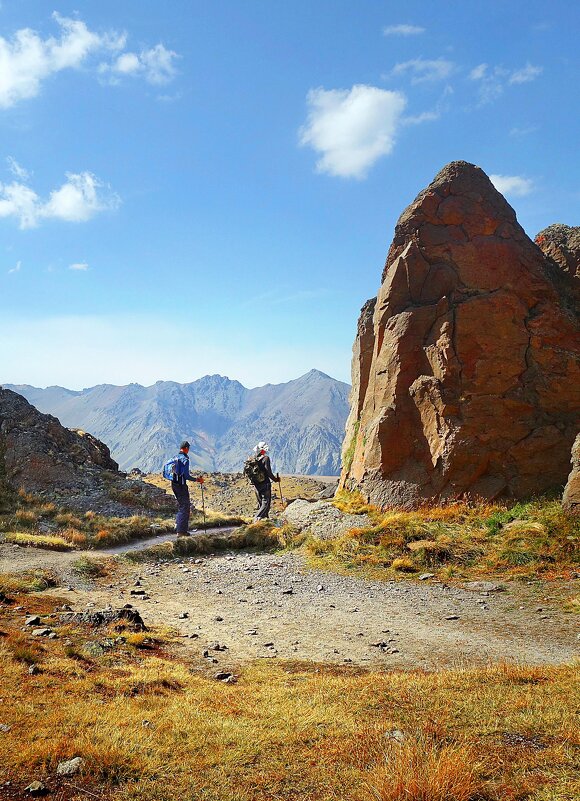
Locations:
(181, 490)
(264, 488)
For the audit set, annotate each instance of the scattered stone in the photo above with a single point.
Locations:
(395, 734)
(5, 728)
(223, 675)
(183, 615)
(484, 586)
(33, 620)
(425, 576)
(452, 617)
(70, 767)
(289, 591)
(36, 789)
(41, 632)
(218, 619)
(320, 588)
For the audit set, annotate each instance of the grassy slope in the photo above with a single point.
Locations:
(460, 539)
(150, 727)
(68, 530)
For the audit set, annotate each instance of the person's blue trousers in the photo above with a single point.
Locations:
(181, 492)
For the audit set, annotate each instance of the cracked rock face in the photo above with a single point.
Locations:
(571, 499)
(466, 368)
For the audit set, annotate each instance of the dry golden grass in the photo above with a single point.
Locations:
(26, 581)
(458, 539)
(30, 540)
(151, 728)
(92, 530)
(254, 535)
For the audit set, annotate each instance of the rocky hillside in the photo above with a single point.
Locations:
(466, 368)
(303, 420)
(39, 455)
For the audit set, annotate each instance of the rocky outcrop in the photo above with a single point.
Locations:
(322, 519)
(41, 456)
(470, 380)
(571, 499)
(562, 244)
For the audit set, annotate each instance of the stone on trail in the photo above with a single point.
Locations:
(425, 576)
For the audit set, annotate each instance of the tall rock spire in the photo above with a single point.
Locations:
(467, 380)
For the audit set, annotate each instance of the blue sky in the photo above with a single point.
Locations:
(191, 188)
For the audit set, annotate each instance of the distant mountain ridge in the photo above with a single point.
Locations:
(303, 420)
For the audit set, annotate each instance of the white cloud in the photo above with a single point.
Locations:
(424, 70)
(493, 80)
(16, 269)
(27, 59)
(514, 185)
(526, 74)
(79, 198)
(156, 65)
(478, 73)
(523, 131)
(352, 128)
(17, 170)
(80, 266)
(402, 30)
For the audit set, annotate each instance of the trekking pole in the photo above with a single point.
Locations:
(280, 488)
(203, 507)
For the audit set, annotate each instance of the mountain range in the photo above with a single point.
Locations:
(303, 421)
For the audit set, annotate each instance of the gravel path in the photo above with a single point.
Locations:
(271, 606)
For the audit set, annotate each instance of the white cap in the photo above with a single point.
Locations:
(261, 446)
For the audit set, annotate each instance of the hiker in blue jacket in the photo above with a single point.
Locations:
(181, 490)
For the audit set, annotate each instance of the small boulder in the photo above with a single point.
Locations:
(70, 767)
(36, 789)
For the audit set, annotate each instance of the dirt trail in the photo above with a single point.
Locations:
(263, 605)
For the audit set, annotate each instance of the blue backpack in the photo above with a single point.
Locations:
(170, 469)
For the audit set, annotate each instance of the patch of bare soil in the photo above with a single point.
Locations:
(236, 607)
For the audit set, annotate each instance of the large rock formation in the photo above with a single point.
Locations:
(467, 381)
(562, 244)
(39, 455)
(571, 499)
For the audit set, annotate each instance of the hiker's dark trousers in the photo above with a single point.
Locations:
(181, 492)
(264, 496)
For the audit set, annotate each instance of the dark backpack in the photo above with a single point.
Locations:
(255, 471)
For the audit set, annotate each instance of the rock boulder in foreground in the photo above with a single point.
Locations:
(466, 368)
